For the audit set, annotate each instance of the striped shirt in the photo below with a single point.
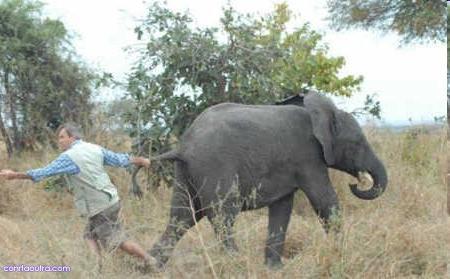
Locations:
(64, 165)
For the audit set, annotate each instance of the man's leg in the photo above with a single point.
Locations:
(91, 240)
(111, 235)
(134, 249)
(95, 248)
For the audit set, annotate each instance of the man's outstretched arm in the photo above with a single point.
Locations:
(123, 160)
(140, 161)
(10, 175)
(61, 165)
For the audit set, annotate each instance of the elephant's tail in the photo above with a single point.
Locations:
(170, 155)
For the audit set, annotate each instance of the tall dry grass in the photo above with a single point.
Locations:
(402, 234)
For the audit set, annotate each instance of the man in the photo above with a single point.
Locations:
(96, 198)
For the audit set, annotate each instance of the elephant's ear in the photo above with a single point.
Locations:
(292, 100)
(322, 113)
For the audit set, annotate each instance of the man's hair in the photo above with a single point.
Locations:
(71, 129)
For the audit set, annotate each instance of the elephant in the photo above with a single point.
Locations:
(237, 157)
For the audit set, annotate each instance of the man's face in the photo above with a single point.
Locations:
(64, 140)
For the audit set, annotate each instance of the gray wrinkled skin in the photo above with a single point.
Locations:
(238, 157)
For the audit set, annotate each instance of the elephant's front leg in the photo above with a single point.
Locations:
(324, 200)
(279, 216)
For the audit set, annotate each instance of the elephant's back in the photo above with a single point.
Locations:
(233, 129)
(259, 115)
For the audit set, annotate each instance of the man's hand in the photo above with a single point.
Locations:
(10, 174)
(140, 161)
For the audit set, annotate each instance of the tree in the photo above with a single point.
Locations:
(248, 59)
(41, 82)
(413, 20)
(448, 48)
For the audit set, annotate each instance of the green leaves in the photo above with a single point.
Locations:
(42, 82)
(414, 21)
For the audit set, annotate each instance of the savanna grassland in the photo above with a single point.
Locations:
(402, 234)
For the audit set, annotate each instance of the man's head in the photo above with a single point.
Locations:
(67, 134)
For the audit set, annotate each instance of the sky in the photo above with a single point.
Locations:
(409, 81)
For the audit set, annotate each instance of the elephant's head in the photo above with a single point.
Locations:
(344, 145)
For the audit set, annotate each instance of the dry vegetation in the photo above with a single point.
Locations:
(403, 234)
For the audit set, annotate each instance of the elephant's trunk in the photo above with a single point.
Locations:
(380, 180)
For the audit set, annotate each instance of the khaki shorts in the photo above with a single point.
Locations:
(106, 228)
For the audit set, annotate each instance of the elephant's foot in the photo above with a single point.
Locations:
(154, 264)
(274, 263)
(231, 247)
(160, 259)
(151, 265)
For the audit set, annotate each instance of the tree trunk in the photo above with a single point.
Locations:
(13, 112)
(448, 185)
(5, 135)
(9, 147)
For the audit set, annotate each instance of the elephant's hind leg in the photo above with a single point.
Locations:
(225, 207)
(223, 222)
(279, 216)
(184, 213)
